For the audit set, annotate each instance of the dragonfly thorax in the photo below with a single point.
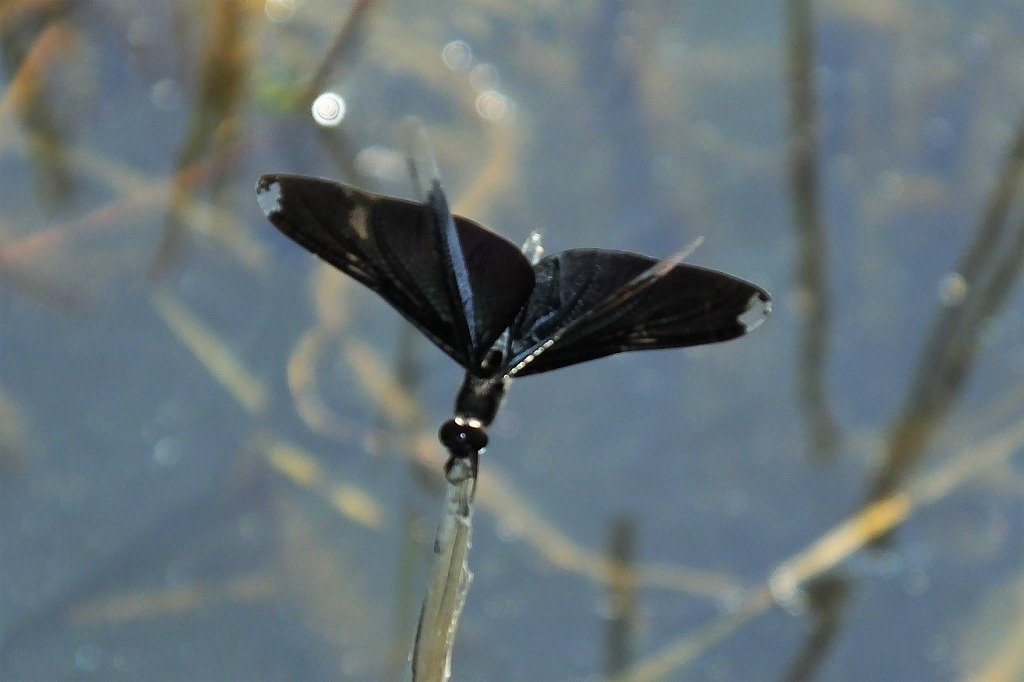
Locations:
(480, 397)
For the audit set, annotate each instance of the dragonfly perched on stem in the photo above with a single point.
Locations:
(497, 311)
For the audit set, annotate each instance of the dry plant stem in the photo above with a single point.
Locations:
(836, 545)
(347, 43)
(211, 128)
(213, 352)
(811, 267)
(449, 584)
(622, 597)
(989, 269)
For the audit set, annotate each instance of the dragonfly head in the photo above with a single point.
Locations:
(465, 439)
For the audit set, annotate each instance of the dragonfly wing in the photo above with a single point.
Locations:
(393, 247)
(589, 303)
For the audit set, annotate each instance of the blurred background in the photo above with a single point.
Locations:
(218, 457)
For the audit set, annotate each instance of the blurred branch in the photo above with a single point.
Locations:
(987, 273)
(789, 580)
(213, 126)
(347, 41)
(26, 97)
(16, 438)
(50, 46)
(212, 352)
(622, 598)
(827, 597)
(812, 257)
(13, 10)
(139, 197)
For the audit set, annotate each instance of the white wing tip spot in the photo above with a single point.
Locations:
(268, 196)
(758, 308)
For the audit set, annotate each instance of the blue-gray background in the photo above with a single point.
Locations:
(147, 529)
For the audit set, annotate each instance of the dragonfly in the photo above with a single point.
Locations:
(498, 311)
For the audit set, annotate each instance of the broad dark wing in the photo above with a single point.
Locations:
(392, 246)
(589, 303)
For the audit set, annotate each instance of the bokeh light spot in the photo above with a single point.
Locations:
(457, 55)
(328, 109)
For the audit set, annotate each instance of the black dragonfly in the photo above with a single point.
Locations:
(496, 313)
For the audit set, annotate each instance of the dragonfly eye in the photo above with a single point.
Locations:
(463, 436)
